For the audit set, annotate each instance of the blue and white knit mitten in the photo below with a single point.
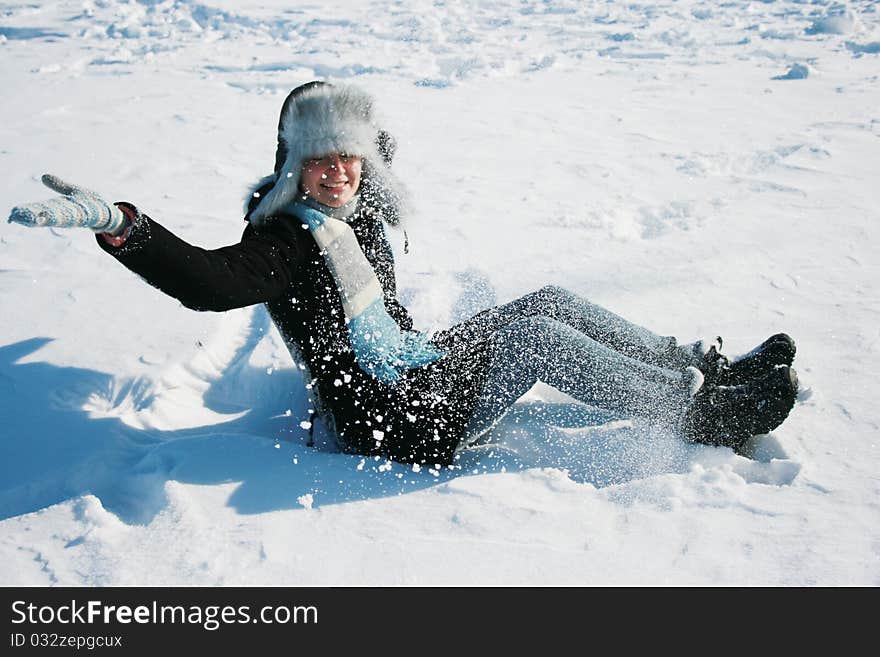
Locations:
(78, 207)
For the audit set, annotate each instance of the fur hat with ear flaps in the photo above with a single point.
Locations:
(317, 119)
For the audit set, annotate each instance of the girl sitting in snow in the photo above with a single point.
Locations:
(315, 253)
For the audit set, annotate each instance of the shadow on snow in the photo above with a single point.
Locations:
(53, 450)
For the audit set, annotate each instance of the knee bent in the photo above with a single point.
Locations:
(554, 292)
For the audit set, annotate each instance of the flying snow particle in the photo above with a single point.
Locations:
(306, 500)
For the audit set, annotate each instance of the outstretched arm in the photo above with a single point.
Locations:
(257, 269)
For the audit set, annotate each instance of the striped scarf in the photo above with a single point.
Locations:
(380, 347)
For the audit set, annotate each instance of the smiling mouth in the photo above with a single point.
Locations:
(335, 186)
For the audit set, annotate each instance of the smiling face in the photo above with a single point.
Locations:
(332, 180)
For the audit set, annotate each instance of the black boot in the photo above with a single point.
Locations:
(728, 415)
(776, 350)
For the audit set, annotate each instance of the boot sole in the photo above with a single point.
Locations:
(768, 405)
(781, 402)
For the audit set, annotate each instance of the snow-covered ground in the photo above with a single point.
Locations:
(699, 167)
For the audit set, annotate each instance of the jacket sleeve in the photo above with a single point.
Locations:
(257, 269)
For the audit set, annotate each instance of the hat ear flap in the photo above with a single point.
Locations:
(386, 145)
(259, 190)
(282, 192)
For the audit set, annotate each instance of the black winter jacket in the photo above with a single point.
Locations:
(420, 419)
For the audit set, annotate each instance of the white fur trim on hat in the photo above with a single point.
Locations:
(322, 120)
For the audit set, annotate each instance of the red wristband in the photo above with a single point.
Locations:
(118, 240)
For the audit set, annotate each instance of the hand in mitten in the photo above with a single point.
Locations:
(76, 207)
